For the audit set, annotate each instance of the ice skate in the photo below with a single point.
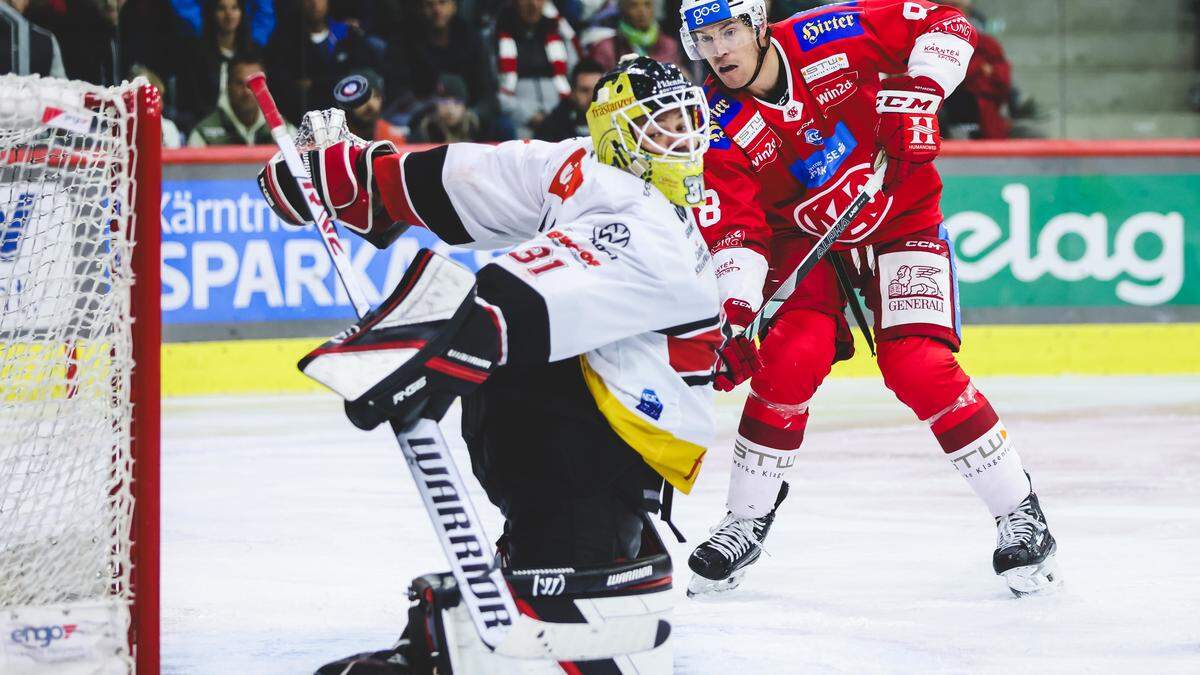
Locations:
(736, 543)
(1025, 550)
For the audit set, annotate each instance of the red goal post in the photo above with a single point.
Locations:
(80, 333)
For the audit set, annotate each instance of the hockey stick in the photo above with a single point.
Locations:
(480, 580)
(757, 330)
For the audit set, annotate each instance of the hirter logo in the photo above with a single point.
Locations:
(827, 28)
(915, 281)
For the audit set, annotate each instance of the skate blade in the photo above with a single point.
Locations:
(700, 587)
(1039, 579)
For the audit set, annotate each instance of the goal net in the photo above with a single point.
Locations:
(79, 339)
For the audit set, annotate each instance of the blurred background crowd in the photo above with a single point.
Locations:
(439, 70)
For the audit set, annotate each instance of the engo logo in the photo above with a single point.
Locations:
(1154, 281)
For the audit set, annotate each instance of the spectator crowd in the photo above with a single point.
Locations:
(437, 70)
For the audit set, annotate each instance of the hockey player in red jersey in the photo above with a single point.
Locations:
(799, 110)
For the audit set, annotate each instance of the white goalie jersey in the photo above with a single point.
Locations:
(610, 271)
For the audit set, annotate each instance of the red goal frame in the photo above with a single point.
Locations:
(145, 386)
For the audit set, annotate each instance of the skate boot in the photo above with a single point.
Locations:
(1025, 550)
(736, 543)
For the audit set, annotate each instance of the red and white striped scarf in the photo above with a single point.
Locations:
(556, 53)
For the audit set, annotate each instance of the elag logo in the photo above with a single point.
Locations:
(42, 636)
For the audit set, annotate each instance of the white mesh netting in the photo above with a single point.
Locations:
(66, 187)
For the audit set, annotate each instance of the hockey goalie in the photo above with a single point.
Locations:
(583, 356)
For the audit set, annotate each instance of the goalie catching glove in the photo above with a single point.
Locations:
(343, 175)
(430, 341)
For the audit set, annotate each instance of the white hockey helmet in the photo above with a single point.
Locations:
(698, 14)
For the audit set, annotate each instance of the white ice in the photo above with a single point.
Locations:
(289, 538)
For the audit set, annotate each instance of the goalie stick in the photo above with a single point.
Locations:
(757, 330)
(480, 580)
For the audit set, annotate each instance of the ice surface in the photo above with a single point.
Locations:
(289, 538)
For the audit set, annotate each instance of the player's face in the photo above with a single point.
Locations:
(664, 132)
(731, 49)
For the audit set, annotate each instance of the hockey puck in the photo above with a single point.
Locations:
(351, 92)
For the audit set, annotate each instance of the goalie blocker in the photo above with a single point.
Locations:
(430, 341)
(439, 637)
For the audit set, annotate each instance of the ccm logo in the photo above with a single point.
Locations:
(906, 101)
(409, 390)
(699, 13)
(924, 244)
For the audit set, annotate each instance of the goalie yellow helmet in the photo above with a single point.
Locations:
(648, 119)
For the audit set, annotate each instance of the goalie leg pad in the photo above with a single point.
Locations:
(429, 342)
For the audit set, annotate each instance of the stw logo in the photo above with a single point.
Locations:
(915, 280)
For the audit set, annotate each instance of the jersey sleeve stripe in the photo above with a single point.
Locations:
(684, 329)
(417, 192)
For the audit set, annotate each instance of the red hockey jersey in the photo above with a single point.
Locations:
(774, 168)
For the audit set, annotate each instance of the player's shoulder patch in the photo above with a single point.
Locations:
(717, 139)
(723, 108)
(826, 24)
(956, 25)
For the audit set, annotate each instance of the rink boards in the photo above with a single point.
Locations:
(267, 366)
(1072, 257)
